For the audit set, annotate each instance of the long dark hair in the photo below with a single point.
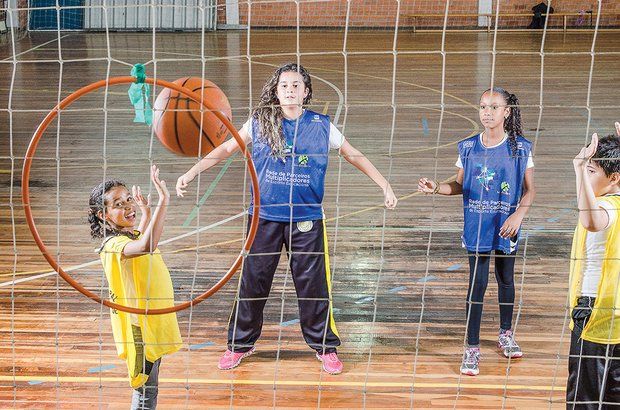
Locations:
(269, 114)
(98, 227)
(512, 124)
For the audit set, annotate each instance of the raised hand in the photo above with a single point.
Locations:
(143, 203)
(586, 153)
(160, 185)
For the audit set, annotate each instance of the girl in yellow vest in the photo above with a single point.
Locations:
(594, 361)
(137, 277)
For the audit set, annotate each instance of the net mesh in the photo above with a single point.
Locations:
(398, 279)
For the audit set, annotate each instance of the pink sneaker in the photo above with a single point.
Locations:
(230, 360)
(331, 363)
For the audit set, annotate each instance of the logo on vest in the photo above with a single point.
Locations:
(302, 160)
(316, 118)
(304, 226)
(505, 186)
(468, 144)
(485, 177)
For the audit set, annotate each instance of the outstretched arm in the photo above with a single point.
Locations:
(455, 187)
(213, 158)
(359, 161)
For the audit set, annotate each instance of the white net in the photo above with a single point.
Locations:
(403, 91)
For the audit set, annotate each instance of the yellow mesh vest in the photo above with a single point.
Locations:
(604, 323)
(131, 282)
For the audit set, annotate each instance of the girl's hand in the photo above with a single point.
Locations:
(160, 185)
(586, 153)
(143, 204)
(182, 183)
(617, 129)
(426, 185)
(390, 198)
(511, 226)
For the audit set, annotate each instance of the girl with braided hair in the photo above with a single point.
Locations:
(137, 277)
(290, 147)
(496, 178)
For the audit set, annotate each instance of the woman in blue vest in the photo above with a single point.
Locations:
(496, 178)
(290, 151)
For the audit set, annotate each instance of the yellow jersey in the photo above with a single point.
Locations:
(141, 282)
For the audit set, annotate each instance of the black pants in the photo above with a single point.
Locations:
(145, 396)
(307, 252)
(478, 281)
(593, 368)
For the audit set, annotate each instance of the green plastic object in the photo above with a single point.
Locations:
(140, 96)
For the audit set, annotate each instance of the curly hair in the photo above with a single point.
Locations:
(269, 113)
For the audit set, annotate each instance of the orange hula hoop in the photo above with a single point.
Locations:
(50, 259)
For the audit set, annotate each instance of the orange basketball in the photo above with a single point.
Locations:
(176, 118)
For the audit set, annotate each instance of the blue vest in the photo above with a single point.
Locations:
(303, 166)
(492, 188)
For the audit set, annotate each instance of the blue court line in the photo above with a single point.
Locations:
(425, 129)
(427, 279)
(200, 345)
(34, 382)
(101, 368)
(539, 228)
(290, 322)
(553, 219)
(364, 300)
(454, 267)
(336, 310)
(208, 193)
(397, 289)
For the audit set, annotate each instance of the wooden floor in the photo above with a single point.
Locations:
(400, 313)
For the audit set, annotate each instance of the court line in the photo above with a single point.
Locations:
(208, 192)
(35, 47)
(263, 382)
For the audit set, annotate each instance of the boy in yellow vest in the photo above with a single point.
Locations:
(137, 277)
(594, 361)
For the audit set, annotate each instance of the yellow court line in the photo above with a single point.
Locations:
(326, 108)
(263, 382)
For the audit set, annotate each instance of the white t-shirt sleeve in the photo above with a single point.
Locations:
(336, 139)
(248, 128)
(459, 163)
(611, 212)
(530, 161)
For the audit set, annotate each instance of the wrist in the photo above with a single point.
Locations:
(437, 187)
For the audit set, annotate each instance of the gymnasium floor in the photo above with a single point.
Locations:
(400, 277)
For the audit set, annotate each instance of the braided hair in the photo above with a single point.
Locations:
(98, 227)
(512, 124)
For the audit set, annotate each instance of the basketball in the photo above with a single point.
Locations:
(176, 118)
